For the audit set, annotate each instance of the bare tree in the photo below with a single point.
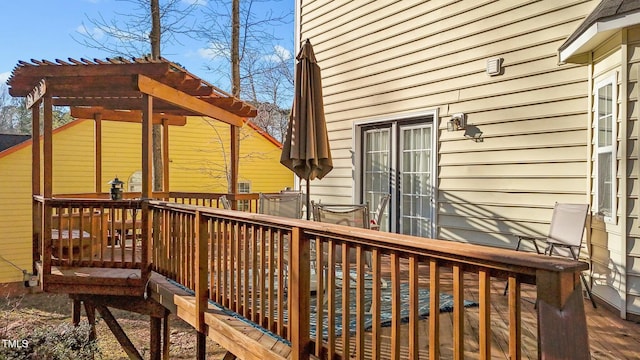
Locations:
(142, 31)
(261, 70)
(130, 33)
(155, 37)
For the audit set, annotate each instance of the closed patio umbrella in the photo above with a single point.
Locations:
(306, 145)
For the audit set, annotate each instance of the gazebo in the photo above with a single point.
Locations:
(141, 90)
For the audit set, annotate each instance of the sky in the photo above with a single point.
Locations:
(43, 29)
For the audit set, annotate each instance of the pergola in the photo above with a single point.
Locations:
(140, 90)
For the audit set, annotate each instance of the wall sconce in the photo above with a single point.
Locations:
(458, 122)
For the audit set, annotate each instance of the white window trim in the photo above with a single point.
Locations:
(244, 182)
(609, 80)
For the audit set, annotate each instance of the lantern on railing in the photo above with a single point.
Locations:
(116, 188)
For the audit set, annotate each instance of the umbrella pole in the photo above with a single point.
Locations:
(308, 202)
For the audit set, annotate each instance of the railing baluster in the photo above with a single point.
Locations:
(375, 304)
(485, 315)
(249, 235)
(346, 299)
(434, 310)
(413, 307)
(225, 263)
(331, 298)
(219, 254)
(361, 308)
(515, 318)
(256, 271)
(213, 255)
(281, 286)
(272, 273)
(232, 264)
(458, 313)
(395, 306)
(320, 292)
(112, 226)
(264, 272)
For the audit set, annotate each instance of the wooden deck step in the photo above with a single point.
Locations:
(92, 280)
(238, 336)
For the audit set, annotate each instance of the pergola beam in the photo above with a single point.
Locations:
(36, 94)
(134, 116)
(185, 101)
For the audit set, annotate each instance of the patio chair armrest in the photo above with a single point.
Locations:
(530, 237)
(533, 239)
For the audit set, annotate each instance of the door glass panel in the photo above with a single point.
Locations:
(377, 170)
(415, 172)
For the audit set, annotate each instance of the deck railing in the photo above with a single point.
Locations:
(87, 232)
(244, 202)
(245, 260)
(282, 273)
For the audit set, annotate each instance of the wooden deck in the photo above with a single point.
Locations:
(609, 336)
(237, 260)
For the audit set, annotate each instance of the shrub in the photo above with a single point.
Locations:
(63, 342)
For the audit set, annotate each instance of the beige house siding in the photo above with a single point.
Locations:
(389, 59)
(633, 211)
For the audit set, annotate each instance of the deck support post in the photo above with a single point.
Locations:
(75, 311)
(35, 184)
(90, 309)
(201, 346)
(166, 334)
(562, 323)
(155, 343)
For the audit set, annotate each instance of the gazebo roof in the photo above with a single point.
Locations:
(114, 87)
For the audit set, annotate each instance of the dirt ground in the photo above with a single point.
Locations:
(21, 314)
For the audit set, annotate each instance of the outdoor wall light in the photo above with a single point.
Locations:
(116, 188)
(458, 122)
(474, 133)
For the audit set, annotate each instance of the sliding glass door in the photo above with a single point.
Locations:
(397, 158)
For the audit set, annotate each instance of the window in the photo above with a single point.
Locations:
(135, 181)
(605, 148)
(244, 187)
